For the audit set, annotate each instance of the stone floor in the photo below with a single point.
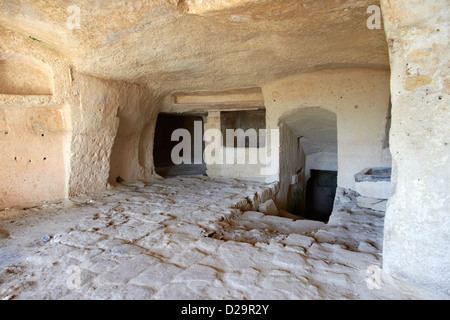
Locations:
(180, 238)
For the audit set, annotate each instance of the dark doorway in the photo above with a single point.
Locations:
(320, 193)
(162, 150)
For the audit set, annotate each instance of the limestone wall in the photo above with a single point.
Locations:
(32, 158)
(63, 133)
(109, 118)
(35, 124)
(416, 236)
(292, 163)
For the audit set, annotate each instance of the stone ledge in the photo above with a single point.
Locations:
(372, 203)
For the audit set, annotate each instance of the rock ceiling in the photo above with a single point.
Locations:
(187, 45)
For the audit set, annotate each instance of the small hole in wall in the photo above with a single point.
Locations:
(45, 159)
(42, 134)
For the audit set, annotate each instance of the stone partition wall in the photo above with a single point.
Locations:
(292, 163)
(417, 224)
(132, 152)
(94, 108)
(109, 118)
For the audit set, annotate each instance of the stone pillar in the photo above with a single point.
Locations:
(212, 120)
(212, 123)
(417, 224)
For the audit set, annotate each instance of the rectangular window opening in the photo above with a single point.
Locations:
(250, 121)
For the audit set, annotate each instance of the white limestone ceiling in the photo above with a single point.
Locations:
(188, 45)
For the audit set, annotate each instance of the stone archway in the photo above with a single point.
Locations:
(308, 144)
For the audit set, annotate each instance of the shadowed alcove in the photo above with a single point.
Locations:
(315, 129)
(166, 125)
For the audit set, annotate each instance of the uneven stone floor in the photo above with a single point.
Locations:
(179, 238)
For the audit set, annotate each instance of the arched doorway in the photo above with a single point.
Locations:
(311, 195)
